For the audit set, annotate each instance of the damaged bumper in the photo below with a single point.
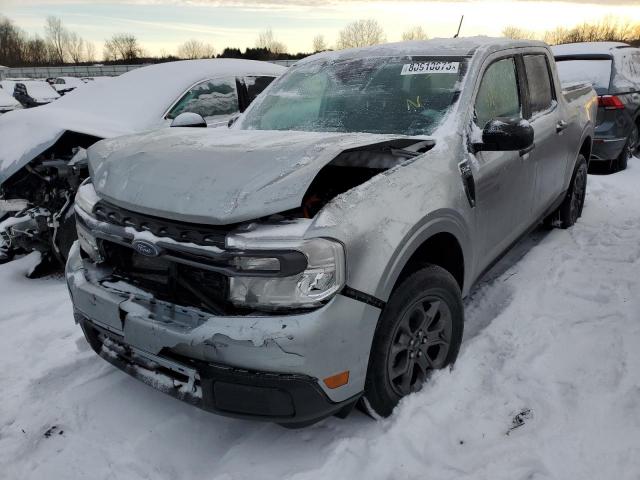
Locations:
(263, 367)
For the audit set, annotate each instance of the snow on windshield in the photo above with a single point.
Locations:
(411, 94)
(596, 72)
(40, 90)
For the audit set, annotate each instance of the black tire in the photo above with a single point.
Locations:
(629, 150)
(570, 210)
(420, 330)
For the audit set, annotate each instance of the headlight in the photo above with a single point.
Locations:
(322, 278)
(88, 243)
(86, 198)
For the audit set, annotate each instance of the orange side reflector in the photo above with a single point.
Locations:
(337, 380)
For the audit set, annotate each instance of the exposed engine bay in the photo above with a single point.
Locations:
(357, 166)
(36, 211)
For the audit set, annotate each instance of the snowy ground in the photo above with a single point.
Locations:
(554, 332)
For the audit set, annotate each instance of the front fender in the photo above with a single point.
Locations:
(439, 221)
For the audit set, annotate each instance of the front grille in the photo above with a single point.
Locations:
(179, 231)
(169, 281)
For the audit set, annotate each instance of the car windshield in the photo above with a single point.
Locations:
(394, 95)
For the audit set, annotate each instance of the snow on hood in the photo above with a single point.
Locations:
(194, 175)
(133, 102)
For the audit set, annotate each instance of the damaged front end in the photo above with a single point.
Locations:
(240, 320)
(36, 211)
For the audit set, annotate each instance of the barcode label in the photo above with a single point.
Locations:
(429, 67)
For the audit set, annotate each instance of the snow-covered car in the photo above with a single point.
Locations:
(317, 253)
(7, 102)
(64, 85)
(614, 70)
(41, 159)
(31, 93)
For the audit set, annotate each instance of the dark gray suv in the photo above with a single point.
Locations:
(614, 71)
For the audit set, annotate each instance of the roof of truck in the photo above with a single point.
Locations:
(587, 48)
(464, 46)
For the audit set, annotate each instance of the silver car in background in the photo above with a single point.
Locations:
(42, 159)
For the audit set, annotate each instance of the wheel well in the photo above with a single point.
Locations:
(441, 249)
(585, 149)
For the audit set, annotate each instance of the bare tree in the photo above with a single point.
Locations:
(89, 51)
(35, 51)
(75, 47)
(517, 33)
(266, 39)
(193, 49)
(12, 41)
(361, 33)
(319, 43)
(122, 46)
(415, 33)
(57, 39)
(609, 29)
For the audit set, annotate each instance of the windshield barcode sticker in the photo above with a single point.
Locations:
(429, 67)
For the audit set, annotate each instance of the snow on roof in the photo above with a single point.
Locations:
(463, 46)
(6, 99)
(587, 48)
(141, 96)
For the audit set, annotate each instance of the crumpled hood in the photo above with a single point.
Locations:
(25, 134)
(195, 175)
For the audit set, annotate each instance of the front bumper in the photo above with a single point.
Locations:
(262, 367)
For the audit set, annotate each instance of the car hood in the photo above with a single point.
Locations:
(25, 134)
(193, 175)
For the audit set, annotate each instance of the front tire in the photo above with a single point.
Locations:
(419, 331)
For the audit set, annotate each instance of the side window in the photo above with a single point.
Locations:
(255, 86)
(209, 99)
(498, 95)
(537, 70)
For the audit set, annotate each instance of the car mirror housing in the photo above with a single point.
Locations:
(189, 119)
(233, 120)
(506, 135)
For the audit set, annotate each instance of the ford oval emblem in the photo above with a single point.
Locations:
(145, 248)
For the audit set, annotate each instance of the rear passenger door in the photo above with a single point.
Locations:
(551, 149)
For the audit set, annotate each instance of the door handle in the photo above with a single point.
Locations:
(561, 125)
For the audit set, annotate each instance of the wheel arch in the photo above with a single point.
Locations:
(443, 240)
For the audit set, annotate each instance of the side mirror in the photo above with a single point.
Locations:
(189, 119)
(233, 120)
(506, 135)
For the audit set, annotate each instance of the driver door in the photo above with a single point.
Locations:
(504, 181)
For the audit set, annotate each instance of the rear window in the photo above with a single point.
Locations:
(596, 72)
(539, 83)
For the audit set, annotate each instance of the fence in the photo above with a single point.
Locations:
(83, 71)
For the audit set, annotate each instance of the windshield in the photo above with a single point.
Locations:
(596, 72)
(394, 95)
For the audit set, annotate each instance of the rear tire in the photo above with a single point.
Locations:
(419, 331)
(629, 150)
(571, 207)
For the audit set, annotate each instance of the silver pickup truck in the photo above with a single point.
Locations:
(316, 254)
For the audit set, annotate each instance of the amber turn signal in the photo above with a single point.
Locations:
(337, 380)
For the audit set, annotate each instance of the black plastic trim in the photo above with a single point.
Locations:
(349, 292)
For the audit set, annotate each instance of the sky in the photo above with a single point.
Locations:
(161, 25)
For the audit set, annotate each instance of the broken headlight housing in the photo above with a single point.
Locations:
(321, 279)
(86, 200)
